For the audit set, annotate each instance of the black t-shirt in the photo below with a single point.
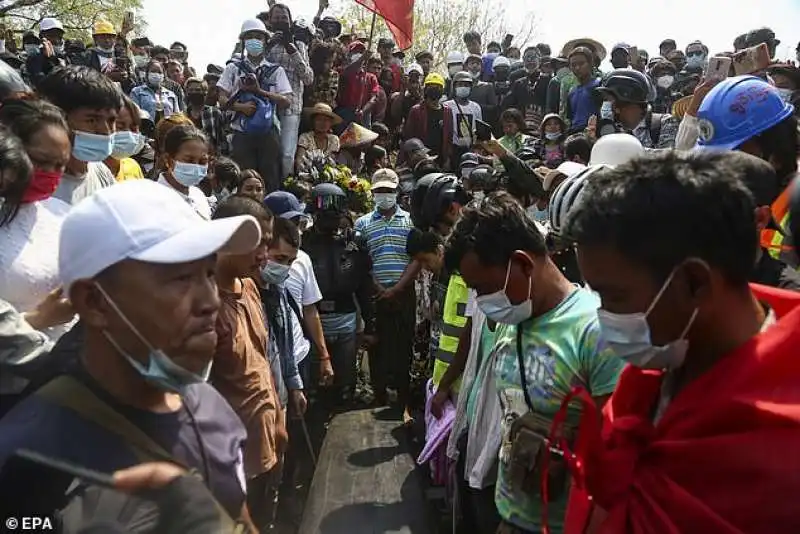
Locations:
(435, 130)
(205, 435)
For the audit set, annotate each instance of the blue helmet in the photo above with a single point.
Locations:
(738, 109)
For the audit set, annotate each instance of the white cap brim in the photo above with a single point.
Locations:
(387, 185)
(232, 235)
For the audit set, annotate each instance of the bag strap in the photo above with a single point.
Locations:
(68, 392)
(520, 361)
(298, 314)
(654, 127)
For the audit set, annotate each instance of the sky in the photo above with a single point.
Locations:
(209, 28)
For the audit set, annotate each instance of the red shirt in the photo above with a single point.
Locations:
(723, 457)
(359, 86)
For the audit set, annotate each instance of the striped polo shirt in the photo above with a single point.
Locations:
(386, 240)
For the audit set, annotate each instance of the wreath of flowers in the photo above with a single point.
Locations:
(317, 168)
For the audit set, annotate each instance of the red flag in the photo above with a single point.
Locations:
(399, 17)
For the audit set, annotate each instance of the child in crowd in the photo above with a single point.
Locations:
(549, 147)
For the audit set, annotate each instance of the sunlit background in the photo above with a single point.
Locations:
(209, 28)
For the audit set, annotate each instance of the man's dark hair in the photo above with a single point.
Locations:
(513, 115)
(239, 204)
(420, 242)
(226, 171)
(26, 118)
(544, 49)
(76, 87)
(661, 210)
(472, 35)
(286, 230)
(159, 51)
(380, 128)
(780, 146)
(584, 51)
(372, 155)
(577, 145)
(284, 7)
(494, 44)
(177, 44)
(183, 133)
(493, 231)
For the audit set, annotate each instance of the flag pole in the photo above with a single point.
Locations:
(372, 31)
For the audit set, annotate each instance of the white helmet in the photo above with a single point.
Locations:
(567, 194)
(253, 25)
(616, 149)
(501, 61)
(455, 58)
(415, 67)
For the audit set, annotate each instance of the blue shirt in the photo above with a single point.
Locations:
(582, 104)
(386, 243)
(145, 98)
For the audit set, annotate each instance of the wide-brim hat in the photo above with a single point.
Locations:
(599, 49)
(356, 135)
(321, 108)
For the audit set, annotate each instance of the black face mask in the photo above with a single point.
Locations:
(328, 222)
(196, 98)
(433, 93)
(282, 27)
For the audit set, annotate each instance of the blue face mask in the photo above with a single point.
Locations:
(254, 47)
(189, 174)
(160, 370)
(126, 144)
(275, 273)
(552, 136)
(607, 111)
(91, 147)
(499, 308)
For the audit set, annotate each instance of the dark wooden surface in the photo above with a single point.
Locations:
(366, 482)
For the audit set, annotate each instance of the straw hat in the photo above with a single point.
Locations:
(356, 135)
(320, 108)
(599, 49)
(680, 106)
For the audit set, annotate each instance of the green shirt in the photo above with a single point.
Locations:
(484, 351)
(560, 351)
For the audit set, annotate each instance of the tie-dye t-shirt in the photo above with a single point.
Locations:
(560, 350)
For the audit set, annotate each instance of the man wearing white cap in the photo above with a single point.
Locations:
(51, 52)
(143, 284)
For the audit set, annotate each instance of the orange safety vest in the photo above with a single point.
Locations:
(772, 240)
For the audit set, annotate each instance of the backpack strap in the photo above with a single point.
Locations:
(298, 314)
(655, 122)
(68, 392)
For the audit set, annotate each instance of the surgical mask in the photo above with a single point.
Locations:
(91, 147)
(433, 93)
(786, 94)
(31, 49)
(356, 57)
(540, 216)
(463, 92)
(275, 273)
(466, 172)
(665, 82)
(475, 75)
(453, 69)
(141, 61)
(385, 201)
(478, 196)
(189, 174)
(58, 49)
(126, 144)
(160, 370)
(2, 45)
(628, 335)
(695, 61)
(254, 47)
(107, 51)
(499, 308)
(552, 136)
(607, 111)
(155, 79)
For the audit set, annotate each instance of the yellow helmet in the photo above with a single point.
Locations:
(434, 78)
(103, 27)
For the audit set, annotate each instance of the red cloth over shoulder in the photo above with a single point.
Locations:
(724, 458)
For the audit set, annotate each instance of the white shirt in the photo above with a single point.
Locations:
(196, 198)
(302, 285)
(231, 79)
(463, 120)
(72, 189)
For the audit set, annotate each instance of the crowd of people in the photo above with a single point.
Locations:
(586, 280)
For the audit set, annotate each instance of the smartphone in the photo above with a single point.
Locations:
(718, 67)
(633, 53)
(750, 60)
(130, 19)
(96, 478)
(507, 40)
(483, 131)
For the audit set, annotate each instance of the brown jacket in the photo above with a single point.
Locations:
(242, 375)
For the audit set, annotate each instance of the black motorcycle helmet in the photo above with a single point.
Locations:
(628, 85)
(418, 199)
(482, 178)
(442, 193)
(327, 197)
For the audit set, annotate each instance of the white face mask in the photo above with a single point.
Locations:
(478, 196)
(786, 94)
(552, 136)
(665, 82)
(628, 335)
(155, 79)
(355, 57)
(498, 306)
(385, 201)
(695, 61)
(462, 92)
(607, 111)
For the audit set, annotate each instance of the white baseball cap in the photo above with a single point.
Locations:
(50, 23)
(385, 178)
(144, 221)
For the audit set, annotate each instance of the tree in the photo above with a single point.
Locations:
(439, 25)
(78, 16)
